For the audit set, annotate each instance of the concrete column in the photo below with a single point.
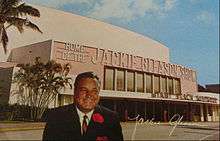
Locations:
(145, 83)
(202, 112)
(153, 84)
(173, 86)
(126, 83)
(217, 113)
(160, 84)
(207, 112)
(115, 80)
(213, 113)
(135, 81)
(167, 87)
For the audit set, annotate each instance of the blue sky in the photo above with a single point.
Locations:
(189, 28)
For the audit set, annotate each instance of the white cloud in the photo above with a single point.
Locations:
(123, 10)
(205, 17)
(114, 8)
(57, 3)
(140, 7)
(169, 4)
(130, 9)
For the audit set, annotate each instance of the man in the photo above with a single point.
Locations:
(85, 119)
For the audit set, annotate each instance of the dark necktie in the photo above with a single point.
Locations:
(84, 124)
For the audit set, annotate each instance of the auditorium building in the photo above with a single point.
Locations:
(137, 77)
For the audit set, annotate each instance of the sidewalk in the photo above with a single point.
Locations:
(201, 125)
(19, 125)
(191, 131)
(197, 125)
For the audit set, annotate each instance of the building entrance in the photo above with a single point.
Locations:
(153, 110)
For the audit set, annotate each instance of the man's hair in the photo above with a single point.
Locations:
(83, 75)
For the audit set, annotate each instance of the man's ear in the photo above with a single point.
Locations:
(74, 94)
(98, 99)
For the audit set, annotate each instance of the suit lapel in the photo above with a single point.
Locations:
(75, 119)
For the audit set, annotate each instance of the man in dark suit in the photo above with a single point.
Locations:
(85, 119)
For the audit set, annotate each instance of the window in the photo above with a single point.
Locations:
(210, 111)
(109, 79)
(148, 83)
(163, 84)
(120, 80)
(177, 86)
(156, 84)
(170, 86)
(130, 81)
(140, 82)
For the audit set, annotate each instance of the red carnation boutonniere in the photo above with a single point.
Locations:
(98, 118)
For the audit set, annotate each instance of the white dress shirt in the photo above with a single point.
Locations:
(81, 115)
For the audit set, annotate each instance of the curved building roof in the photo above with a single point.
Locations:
(68, 27)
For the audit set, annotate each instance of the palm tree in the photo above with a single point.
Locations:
(12, 13)
(39, 84)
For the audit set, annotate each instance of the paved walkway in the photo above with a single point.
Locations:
(165, 131)
(13, 126)
(16, 126)
(131, 130)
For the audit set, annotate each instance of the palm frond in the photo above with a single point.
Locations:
(11, 12)
(29, 10)
(4, 39)
(23, 10)
(6, 5)
(33, 26)
(17, 22)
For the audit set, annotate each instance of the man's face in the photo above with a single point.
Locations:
(86, 94)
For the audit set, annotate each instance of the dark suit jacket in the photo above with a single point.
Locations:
(63, 124)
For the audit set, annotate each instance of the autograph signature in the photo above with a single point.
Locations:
(174, 121)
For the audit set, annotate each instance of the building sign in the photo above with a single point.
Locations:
(77, 53)
(129, 61)
(205, 99)
(185, 97)
(74, 52)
